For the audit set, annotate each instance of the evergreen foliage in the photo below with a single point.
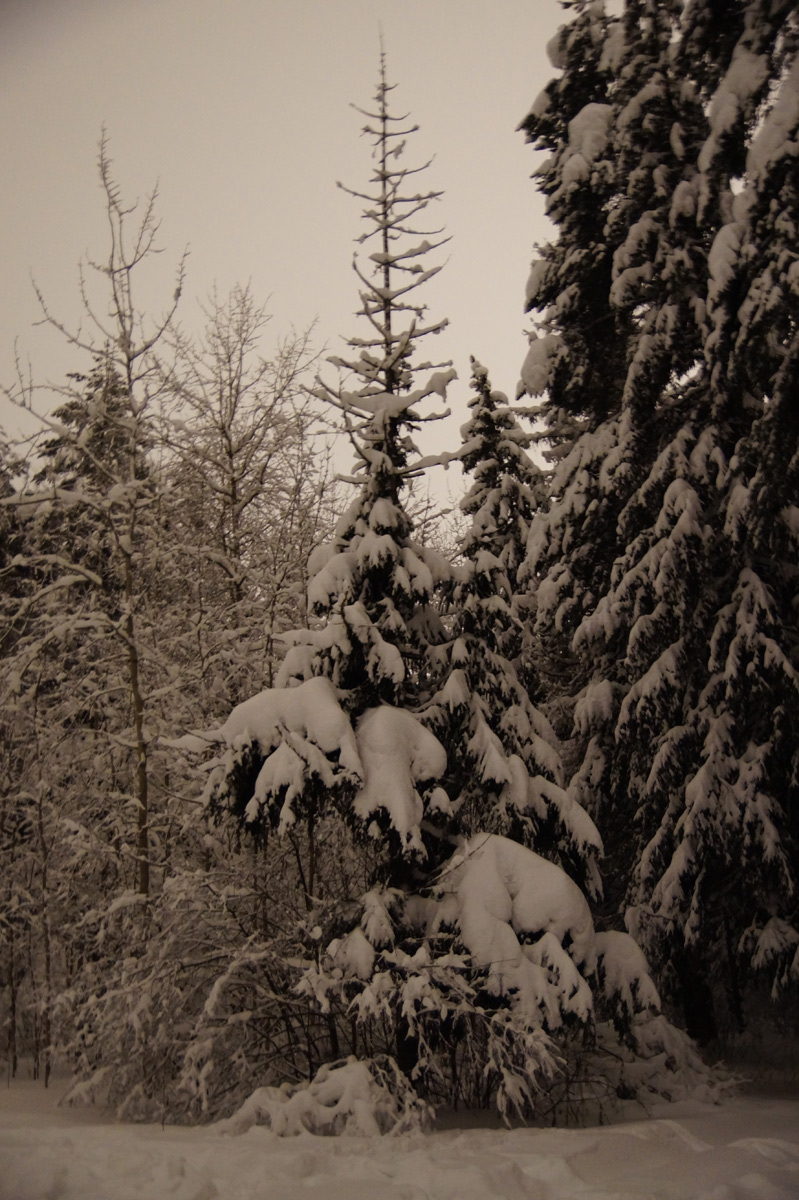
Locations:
(504, 771)
(651, 558)
(381, 898)
(402, 743)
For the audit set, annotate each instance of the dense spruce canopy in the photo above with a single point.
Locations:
(667, 555)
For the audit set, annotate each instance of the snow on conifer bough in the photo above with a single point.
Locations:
(435, 936)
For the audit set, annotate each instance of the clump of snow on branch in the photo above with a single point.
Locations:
(353, 1099)
(397, 754)
(526, 923)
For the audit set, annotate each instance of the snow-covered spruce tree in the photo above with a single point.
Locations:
(619, 161)
(504, 768)
(653, 134)
(612, 160)
(469, 961)
(508, 488)
(334, 760)
(688, 768)
(718, 871)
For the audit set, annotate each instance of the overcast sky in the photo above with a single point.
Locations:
(240, 111)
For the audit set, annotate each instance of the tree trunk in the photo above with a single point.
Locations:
(134, 683)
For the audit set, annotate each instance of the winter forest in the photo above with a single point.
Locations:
(324, 806)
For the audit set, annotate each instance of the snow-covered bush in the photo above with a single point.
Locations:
(496, 991)
(355, 1098)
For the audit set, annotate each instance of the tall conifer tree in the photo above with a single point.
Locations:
(688, 768)
(406, 745)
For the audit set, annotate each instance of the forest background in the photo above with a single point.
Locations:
(398, 853)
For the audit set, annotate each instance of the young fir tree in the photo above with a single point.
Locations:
(334, 759)
(475, 969)
(688, 768)
(504, 766)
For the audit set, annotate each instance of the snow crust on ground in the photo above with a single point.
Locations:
(746, 1149)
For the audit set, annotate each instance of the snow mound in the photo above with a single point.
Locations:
(311, 709)
(397, 754)
(542, 351)
(526, 922)
(352, 1098)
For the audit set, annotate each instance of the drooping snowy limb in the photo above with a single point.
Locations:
(734, 81)
(401, 762)
(301, 757)
(501, 979)
(515, 913)
(648, 1056)
(287, 753)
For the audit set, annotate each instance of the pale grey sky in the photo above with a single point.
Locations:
(240, 109)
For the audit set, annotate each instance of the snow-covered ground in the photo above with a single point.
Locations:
(747, 1149)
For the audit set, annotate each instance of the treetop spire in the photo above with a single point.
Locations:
(395, 266)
